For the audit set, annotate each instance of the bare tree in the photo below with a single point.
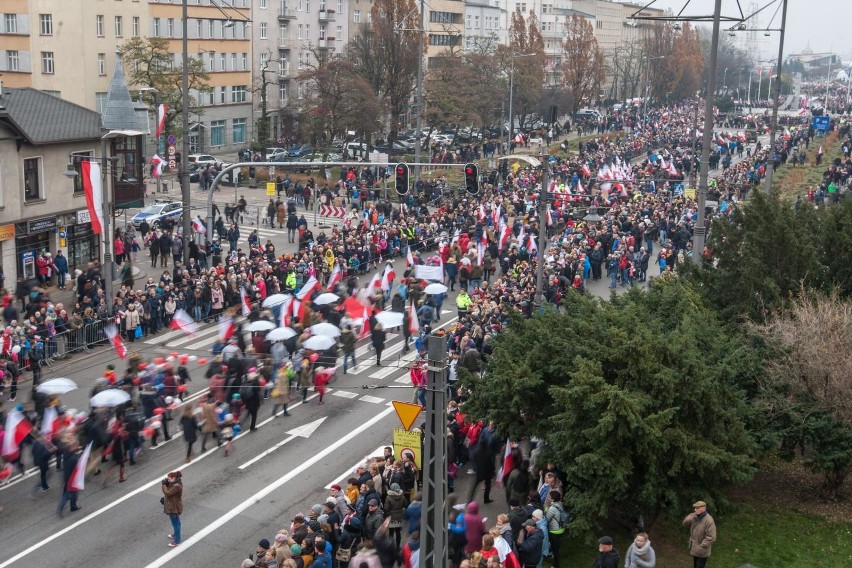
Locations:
(582, 61)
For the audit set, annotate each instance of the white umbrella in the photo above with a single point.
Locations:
(327, 298)
(435, 288)
(109, 397)
(275, 300)
(260, 325)
(56, 386)
(319, 343)
(389, 319)
(326, 329)
(280, 334)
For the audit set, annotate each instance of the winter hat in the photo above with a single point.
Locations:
(295, 549)
(264, 543)
(314, 526)
(395, 487)
(281, 537)
(316, 509)
(322, 520)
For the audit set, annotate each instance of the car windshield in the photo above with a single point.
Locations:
(152, 209)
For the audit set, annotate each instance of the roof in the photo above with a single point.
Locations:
(46, 119)
(119, 112)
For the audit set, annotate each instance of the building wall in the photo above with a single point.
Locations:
(485, 24)
(83, 58)
(444, 27)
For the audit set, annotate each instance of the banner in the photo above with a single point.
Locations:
(429, 272)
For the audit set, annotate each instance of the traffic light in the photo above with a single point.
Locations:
(402, 180)
(471, 178)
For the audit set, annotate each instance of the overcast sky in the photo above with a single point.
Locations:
(822, 23)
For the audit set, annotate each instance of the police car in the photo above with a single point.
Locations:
(158, 211)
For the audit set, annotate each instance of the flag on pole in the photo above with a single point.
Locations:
(115, 339)
(508, 463)
(17, 428)
(183, 321)
(50, 422)
(159, 164)
(93, 188)
(245, 302)
(335, 277)
(409, 259)
(365, 324)
(198, 225)
(506, 554)
(226, 328)
(161, 119)
(376, 282)
(388, 276)
(307, 289)
(77, 481)
(414, 324)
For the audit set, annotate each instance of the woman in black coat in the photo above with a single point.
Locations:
(379, 338)
(189, 425)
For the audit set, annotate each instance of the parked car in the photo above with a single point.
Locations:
(300, 151)
(201, 159)
(158, 211)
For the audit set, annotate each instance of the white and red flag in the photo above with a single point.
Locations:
(245, 302)
(17, 428)
(158, 164)
(226, 328)
(115, 339)
(94, 191)
(307, 289)
(77, 481)
(388, 276)
(365, 324)
(508, 463)
(409, 259)
(198, 225)
(414, 324)
(335, 277)
(183, 321)
(161, 119)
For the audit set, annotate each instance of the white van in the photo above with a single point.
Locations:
(588, 114)
(355, 151)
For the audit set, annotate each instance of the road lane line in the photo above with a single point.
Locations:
(263, 493)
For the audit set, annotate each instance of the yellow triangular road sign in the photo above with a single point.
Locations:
(407, 413)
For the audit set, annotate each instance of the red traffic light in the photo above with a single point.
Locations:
(400, 171)
(468, 171)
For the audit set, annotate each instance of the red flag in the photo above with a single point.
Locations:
(50, 423)
(226, 328)
(245, 302)
(586, 171)
(77, 481)
(414, 324)
(365, 325)
(93, 188)
(307, 289)
(549, 218)
(115, 339)
(335, 278)
(388, 276)
(506, 554)
(508, 463)
(183, 321)
(17, 428)
(161, 119)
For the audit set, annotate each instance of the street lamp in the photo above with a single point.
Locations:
(512, 57)
(157, 134)
(725, 79)
(775, 99)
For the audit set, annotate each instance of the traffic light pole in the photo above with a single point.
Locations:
(433, 512)
(542, 232)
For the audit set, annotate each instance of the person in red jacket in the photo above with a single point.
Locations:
(411, 551)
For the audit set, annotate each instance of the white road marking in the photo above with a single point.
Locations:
(373, 399)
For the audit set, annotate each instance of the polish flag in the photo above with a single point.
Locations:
(298, 307)
(495, 215)
(549, 218)
(409, 259)
(77, 481)
(198, 225)
(307, 289)
(481, 212)
(480, 248)
(388, 277)
(580, 188)
(532, 246)
(376, 282)
(504, 236)
(285, 313)
(522, 236)
(158, 164)
(245, 302)
(226, 328)
(335, 278)
(183, 321)
(161, 119)
(93, 188)
(508, 463)
(506, 554)
(115, 339)
(50, 423)
(414, 324)
(17, 428)
(365, 324)
(586, 171)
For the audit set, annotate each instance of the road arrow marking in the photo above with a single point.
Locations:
(303, 431)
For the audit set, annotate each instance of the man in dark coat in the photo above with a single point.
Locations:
(483, 461)
(69, 462)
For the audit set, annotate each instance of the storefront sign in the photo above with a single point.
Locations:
(7, 232)
(41, 225)
(83, 217)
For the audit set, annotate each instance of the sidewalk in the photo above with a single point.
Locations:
(68, 297)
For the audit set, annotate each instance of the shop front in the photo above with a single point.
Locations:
(83, 245)
(7, 256)
(33, 237)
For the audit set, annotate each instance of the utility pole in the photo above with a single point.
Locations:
(433, 513)
(185, 190)
(693, 173)
(419, 121)
(699, 231)
(771, 169)
(542, 231)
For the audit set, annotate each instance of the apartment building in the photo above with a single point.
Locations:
(65, 48)
(288, 36)
(485, 25)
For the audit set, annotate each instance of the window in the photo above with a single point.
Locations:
(263, 4)
(13, 61)
(155, 27)
(47, 65)
(32, 179)
(307, 5)
(211, 61)
(76, 159)
(322, 32)
(443, 39)
(170, 23)
(102, 64)
(223, 91)
(339, 5)
(307, 31)
(301, 31)
(264, 59)
(46, 24)
(217, 133)
(283, 31)
(99, 25)
(100, 102)
(469, 21)
(238, 133)
(238, 94)
(135, 26)
(233, 62)
(10, 23)
(301, 90)
(282, 91)
(339, 34)
(263, 27)
(197, 28)
(356, 16)
(223, 59)
(118, 26)
(244, 62)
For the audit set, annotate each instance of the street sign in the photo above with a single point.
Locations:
(689, 192)
(173, 164)
(678, 189)
(270, 188)
(406, 412)
(171, 140)
(172, 151)
(821, 123)
(405, 442)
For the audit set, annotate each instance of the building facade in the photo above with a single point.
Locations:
(485, 25)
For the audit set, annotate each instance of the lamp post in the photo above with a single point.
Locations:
(512, 57)
(157, 135)
(185, 189)
(725, 79)
(776, 97)
(542, 229)
(749, 88)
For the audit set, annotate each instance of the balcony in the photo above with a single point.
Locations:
(286, 43)
(326, 15)
(284, 73)
(326, 43)
(286, 14)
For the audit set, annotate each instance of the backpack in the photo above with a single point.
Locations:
(564, 516)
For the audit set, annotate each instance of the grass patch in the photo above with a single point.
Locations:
(791, 181)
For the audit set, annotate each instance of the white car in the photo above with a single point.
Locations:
(158, 211)
(201, 159)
